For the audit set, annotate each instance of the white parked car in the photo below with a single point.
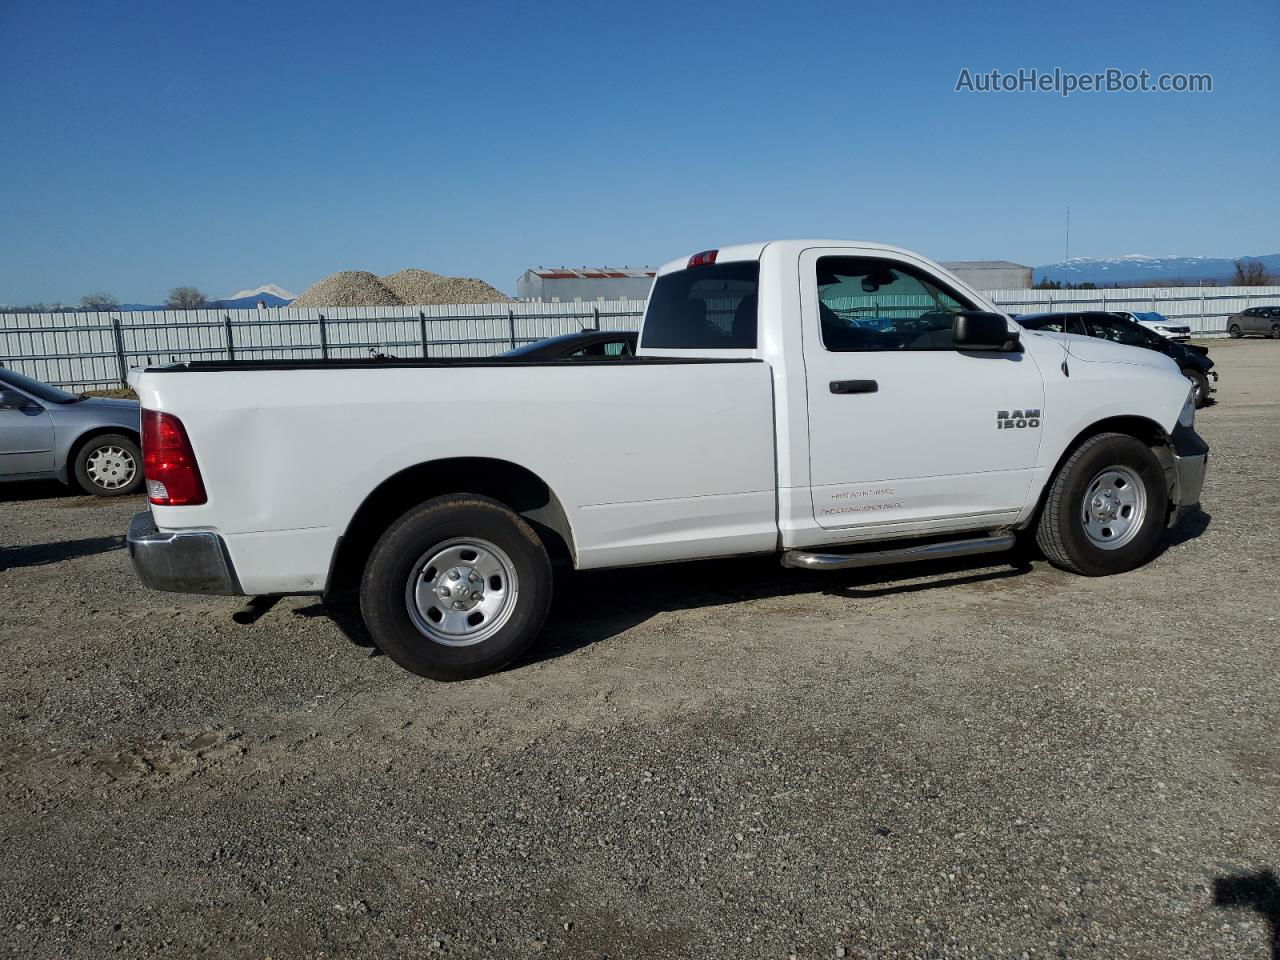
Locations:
(1158, 322)
(836, 404)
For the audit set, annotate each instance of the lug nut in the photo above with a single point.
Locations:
(475, 577)
(476, 594)
(454, 575)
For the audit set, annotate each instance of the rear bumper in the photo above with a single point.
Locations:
(193, 561)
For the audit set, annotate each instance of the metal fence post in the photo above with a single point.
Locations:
(511, 327)
(230, 338)
(324, 340)
(422, 329)
(120, 360)
(595, 318)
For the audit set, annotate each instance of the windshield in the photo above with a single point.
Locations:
(1152, 317)
(710, 307)
(41, 391)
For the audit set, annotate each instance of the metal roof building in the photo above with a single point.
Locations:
(569, 284)
(992, 274)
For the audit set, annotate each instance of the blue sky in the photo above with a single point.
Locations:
(230, 144)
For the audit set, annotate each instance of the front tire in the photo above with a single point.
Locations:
(1105, 509)
(1200, 383)
(457, 587)
(1275, 331)
(109, 465)
(1234, 331)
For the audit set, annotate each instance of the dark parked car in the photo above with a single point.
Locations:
(1191, 359)
(45, 433)
(588, 345)
(1255, 322)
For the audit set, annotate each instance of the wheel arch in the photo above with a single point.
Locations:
(66, 470)
(1140, 428)
(509, 483)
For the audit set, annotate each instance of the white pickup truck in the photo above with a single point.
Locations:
(838, 404)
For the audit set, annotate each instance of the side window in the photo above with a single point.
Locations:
(868, 304)
(1118, 331)
(1076, 325)
(1051, 326)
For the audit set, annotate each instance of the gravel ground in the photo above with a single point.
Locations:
(971, 759)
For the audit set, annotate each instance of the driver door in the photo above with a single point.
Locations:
(904, 430)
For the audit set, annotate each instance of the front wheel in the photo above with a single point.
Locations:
(1234, 331)
(1105, 508)
(457, 587)
(109, 465)
(1275, 331)
(1199, 384)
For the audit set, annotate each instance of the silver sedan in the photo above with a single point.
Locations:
(45, 432)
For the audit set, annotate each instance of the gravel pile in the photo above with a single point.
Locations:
(409, 287)
(412, 285)
(348, 288)
(453, 290)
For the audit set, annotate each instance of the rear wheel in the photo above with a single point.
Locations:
(1105, 508)
(109, 465)
(1275, 331)
(1234, 331)
(457, 587)
(1199, 384)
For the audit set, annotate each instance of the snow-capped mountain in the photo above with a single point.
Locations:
(267, 288)
(1135, 267)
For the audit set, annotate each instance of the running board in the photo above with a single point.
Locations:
(803, 560)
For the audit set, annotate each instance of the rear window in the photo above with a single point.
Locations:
(712, 307)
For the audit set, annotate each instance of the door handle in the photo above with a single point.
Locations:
(854, 386)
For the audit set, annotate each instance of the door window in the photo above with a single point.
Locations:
(870, 304)
(1119, 330)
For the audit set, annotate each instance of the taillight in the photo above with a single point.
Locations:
(703, 259)
(168, 462)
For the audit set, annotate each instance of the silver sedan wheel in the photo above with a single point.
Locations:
(461, 592)
(1115, 505)
(111, 467)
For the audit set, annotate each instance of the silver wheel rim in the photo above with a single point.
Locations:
(111, 467)
(1196, 389)
(461, 592)
(1115, 505)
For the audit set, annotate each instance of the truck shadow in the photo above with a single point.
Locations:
(596, 605)
(1259, 892)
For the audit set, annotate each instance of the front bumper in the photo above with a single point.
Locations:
(194, 561)
(1190, 460)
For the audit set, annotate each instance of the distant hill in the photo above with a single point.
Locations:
(1136, 268)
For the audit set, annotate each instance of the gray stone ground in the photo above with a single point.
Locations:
(965, 760)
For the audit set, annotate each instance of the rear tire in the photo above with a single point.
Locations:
(1234, 331)
(1275, 331)
(109, 465)
(1201, 385)
(457, 587)
(1105, 508)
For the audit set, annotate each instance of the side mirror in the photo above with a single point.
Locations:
(976, 330)
(13, 400)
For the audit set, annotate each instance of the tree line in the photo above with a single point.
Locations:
(180, 298)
